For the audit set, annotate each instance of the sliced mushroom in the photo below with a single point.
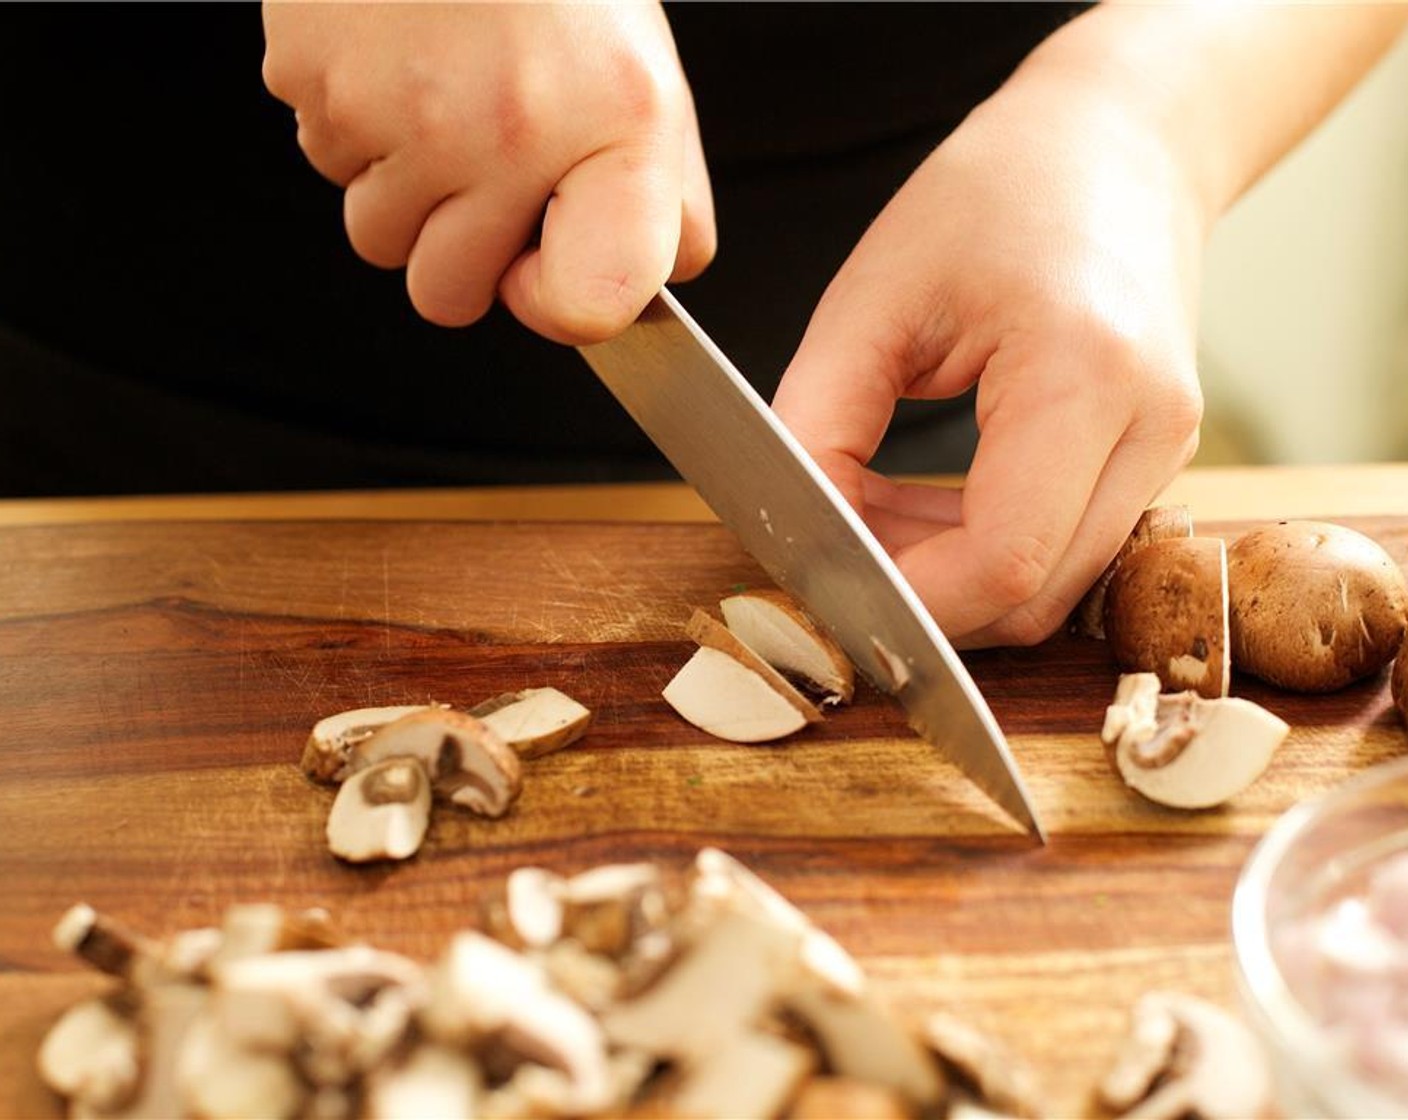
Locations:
(1314, 606)
(536, 721)
(773, 625)
(468, 763)
(254, 928)
(528, 914)
(592, 979)
(91, 1055)
(1216, 1069)
(343, 1009)
(381, 812)
(1000, 1079)
(1143, 1057)
(482, 988)
(1194, 753)
(325, 752)
(220, 1080)
(720, 985)
(432, 1082)
(724, 698)
(1155, 524)
(846, 1098)
(750, 1074)
(166, 1017)
(712, 634)
(608, 908)
(1166, 613)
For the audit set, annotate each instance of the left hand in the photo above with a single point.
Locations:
(1048, 250)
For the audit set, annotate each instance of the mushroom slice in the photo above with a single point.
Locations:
(325, 752)
(253, 928)
(751, 1074)
(608, 908)
(1166, 613)
(1216, 1068)
(845, 1098)
(168, 1014)
(536, 721)
(484, 989)
(91, 1055)
(219, 1080)
(334, 1001)
(773, 625)
(528, 915)
(724, 698)
(381, 812)
(712, 634)
(1143, 1056)
(824, 988)
(1195, 753)
(467, 762)
(721, 984)
(1154, 524)
(432, 1082)
(1000, 1080)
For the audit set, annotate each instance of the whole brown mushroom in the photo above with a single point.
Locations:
(1314, 606)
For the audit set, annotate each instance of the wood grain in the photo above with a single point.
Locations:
(157, 681)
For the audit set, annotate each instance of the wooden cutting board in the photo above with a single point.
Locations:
(157, 681)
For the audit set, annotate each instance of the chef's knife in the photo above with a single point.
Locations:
(722, 437)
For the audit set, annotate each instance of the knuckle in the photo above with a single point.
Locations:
(437, 304)
(1017, 571)
(1028, 626)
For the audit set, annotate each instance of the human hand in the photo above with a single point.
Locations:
(1048, 251)
(544, 153)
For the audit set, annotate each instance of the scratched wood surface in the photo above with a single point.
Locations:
(157, 681)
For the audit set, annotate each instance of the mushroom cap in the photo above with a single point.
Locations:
(1314, 605)
(1166, 613)
(787, 638)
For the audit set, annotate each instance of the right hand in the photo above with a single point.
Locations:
(546, 154)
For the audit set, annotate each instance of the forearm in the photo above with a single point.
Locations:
(1228, 87)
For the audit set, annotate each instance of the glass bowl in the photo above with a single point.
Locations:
(1320, 935)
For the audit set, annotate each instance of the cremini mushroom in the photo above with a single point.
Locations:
(325, 752)
(1166, 613)
(1314, 605)
(1215, 1068)
(1154, 524)
(1184, 751)
(381, 812)
(468, 763)
(724, 698)
(535, 721)
(773, 625)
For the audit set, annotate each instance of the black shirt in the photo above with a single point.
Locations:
(180, 309)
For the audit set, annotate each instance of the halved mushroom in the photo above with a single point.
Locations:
(1154, 524)
(325, 752)
(1166, 613)
(772, 624)
(1193, 753)
(91, 1055)
(467, 762)
(999, 1078)
(1314, 606)
(712, 634)
(1216, 1069)
(381, 812)
(724, 698)
(535, 721)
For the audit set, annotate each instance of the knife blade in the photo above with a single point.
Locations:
(764, 486)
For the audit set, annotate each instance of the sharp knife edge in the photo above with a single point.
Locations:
(725, 440)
